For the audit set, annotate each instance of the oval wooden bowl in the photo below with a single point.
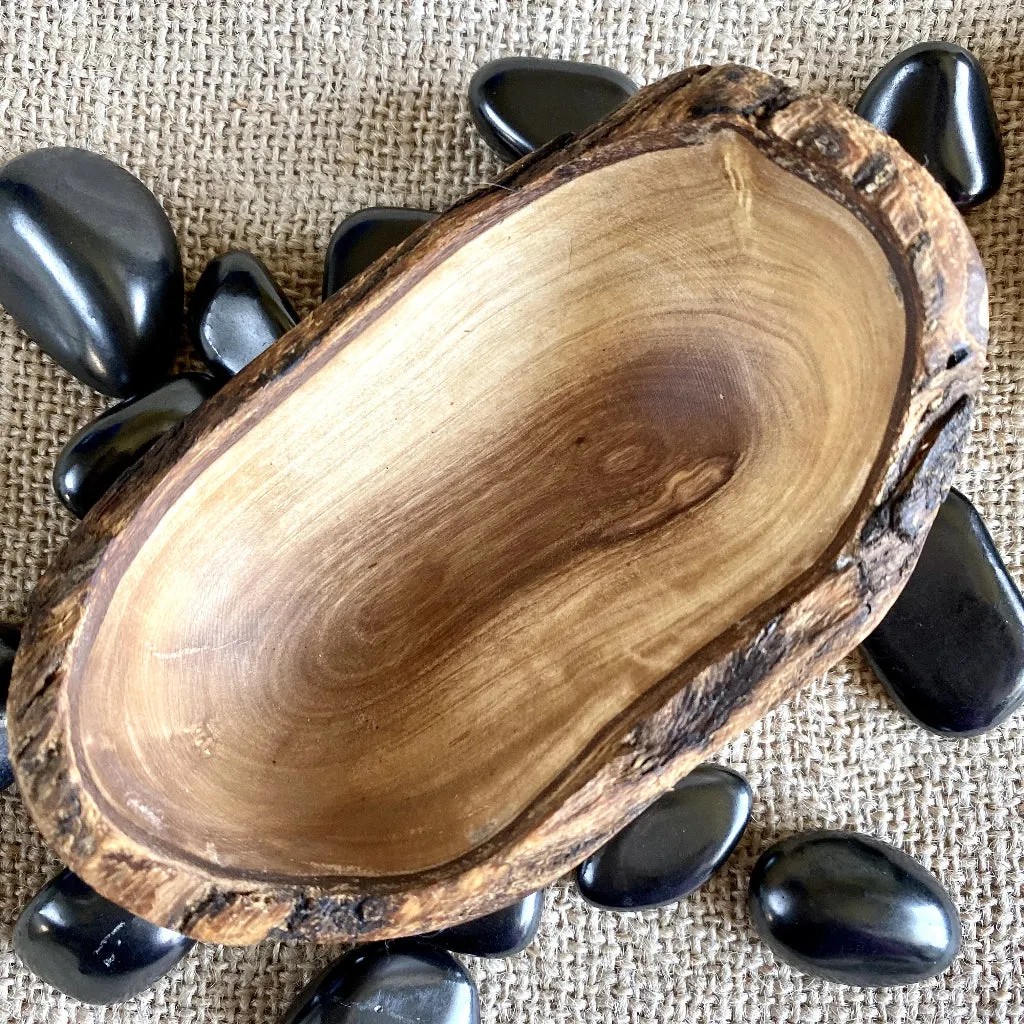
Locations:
(503, 539)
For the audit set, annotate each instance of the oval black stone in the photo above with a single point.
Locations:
(521, 103)
(103, 449)
(363, 238)
(934, 99)
(673, 847)
(951, 649)
(10, 637)
(89, 267)
(390, 983)
(236, 312)
(503, 933)
(90, 948)
(852, 909)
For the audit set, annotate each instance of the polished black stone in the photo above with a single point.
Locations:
(90, 948)
(935, 101)
(851, 909)
(390, 983)
(673, 847)
(503, 933)
(10, 637)
(521, 103)
(951, 649)
(236, 312)
(363, 238)
(89, 267)
(103, 449)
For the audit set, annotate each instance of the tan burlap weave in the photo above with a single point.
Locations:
(259, 124)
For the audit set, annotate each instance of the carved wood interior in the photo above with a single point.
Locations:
(390, 616)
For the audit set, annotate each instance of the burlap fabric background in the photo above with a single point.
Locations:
(260, 125)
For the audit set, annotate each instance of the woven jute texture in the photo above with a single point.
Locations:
(260, 125)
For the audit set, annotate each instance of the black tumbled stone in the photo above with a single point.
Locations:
(363, 238)
(951, 649)
(934, 99)
(390, 983)
(503, 933)
(236, 312)
(10, 637)
(673, 847)
(521, 103)
(103, 449)
(89, 267)
(88, 947)
(852, 909)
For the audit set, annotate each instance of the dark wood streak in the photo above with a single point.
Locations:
(719, 691)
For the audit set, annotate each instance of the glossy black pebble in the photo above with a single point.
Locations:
(521, 103)
(236, 312)
(935, 101)
(951, 649)
(89, 267)
(103, 449)
(673, 847)
(503, 933)
(363, 238)
(10, 637)
(90, 948)
(852, 909)
(393, 983)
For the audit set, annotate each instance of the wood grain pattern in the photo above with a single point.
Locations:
(505, 537)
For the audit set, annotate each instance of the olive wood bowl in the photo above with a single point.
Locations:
(494, 547)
